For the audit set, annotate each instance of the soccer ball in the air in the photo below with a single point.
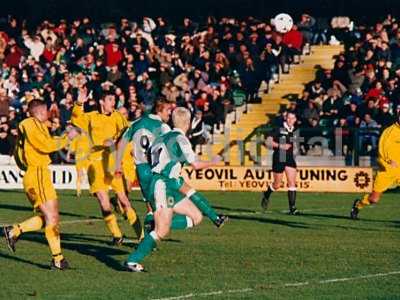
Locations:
(283, 23)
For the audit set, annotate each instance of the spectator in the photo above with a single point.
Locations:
(306, 27)
(198, 133)
(370, 133)
(139, 64)
(35, 45)
(293, 40)
(332, 105)
(4, 103)
(384, 118)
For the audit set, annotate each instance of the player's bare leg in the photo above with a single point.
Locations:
(50, 211)
(368, 199)
(109, 218)
(189, 209)
(278, 177)
(80, 175)
(130, 214)
(49, 219)
(13, 232)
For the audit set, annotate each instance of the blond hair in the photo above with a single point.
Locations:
(181, 117)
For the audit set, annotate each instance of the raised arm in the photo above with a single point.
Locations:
(79, 117)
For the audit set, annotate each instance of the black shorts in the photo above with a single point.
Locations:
(278, 165)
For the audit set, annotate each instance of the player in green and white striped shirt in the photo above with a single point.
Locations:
(142, 134)
(168, 153)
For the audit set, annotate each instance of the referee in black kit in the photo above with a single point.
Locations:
(281, 140)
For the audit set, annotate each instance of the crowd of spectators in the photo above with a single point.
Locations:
(361, 92)
(209, 66)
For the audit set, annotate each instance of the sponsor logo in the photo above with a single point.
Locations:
(362, 180)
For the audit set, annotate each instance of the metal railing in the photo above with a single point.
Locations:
(348, 143)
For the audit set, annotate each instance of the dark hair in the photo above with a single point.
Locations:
(35, 103)
(104, 94)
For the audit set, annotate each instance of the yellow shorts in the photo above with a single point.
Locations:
(102, 179)
(386, 179)
(82, 165)
(129, 173)
(38, 185)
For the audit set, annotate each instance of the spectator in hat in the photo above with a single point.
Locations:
(306, 27)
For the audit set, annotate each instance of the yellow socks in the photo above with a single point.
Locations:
(32, 224)
(364, 202)
(112, 225)
(131, 215)
(134, 222)
(53, 238)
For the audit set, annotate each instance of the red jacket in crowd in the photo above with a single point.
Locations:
(114, 55)
(13, 57)
(294, 38)
(49, 54)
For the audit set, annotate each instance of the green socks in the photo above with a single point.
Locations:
(201, 202)
(145, 247)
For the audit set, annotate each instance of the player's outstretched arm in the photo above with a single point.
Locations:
(198, 165)
(190, 156)
(48, 144)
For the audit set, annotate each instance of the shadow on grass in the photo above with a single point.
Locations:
(24, 261)
(396, 224)
(14, 207)
(271, 221)
(341, 217)
(85, 246)
(234, 209)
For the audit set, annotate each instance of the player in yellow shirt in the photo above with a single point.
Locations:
(104, 128)
(80, 146)
(389, 172)
(32, 155)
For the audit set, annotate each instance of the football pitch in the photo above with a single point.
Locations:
(320, 254)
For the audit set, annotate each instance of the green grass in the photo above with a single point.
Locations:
(255, 253)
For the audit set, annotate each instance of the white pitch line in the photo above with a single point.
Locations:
(220, 292)
(296, 284)
(288, 285)
(359, 277)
